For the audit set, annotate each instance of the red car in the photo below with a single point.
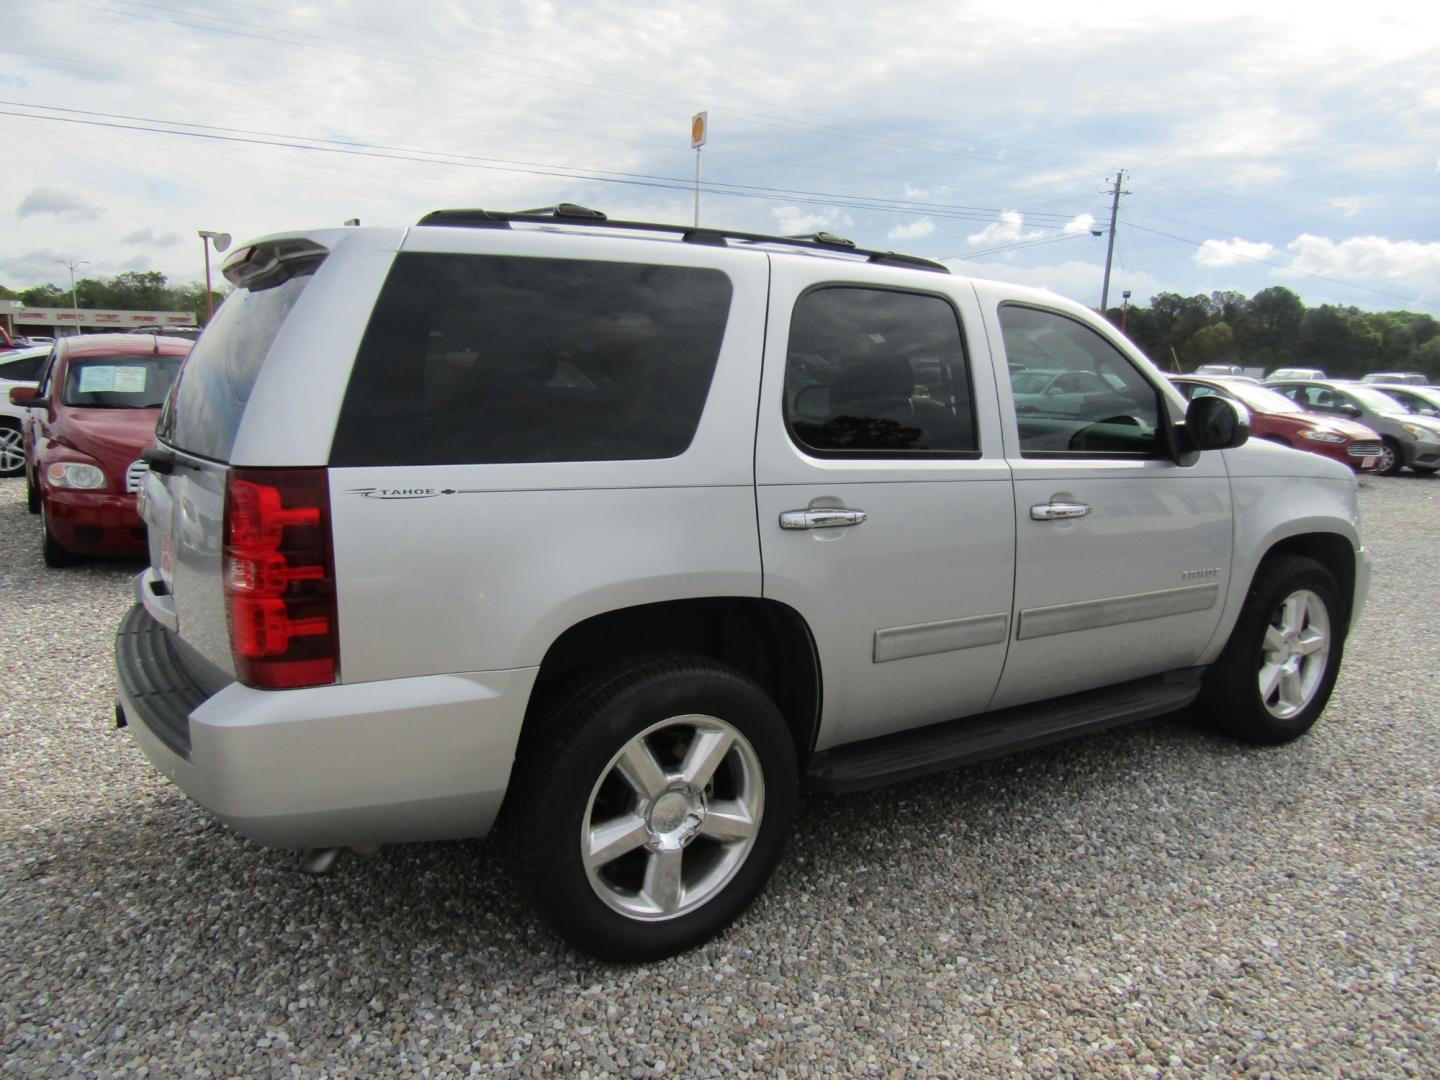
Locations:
(1275, 417)
(92, 413)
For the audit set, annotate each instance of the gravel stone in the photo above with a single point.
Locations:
(1151, 901)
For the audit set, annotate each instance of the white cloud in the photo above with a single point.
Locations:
(42, 265)
(913, 230)
(1077, 280)
(63, 204)
(1218, 253)
(1369, 258)
(147, 237)
(1084, 223)
(1350, 205)
(1010, 229)
(793, 221)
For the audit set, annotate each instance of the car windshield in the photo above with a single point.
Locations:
(120, 382)
(1031, 382)
(1262, 398)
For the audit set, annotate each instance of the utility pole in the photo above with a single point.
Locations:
(1110, 248)
(74, 304)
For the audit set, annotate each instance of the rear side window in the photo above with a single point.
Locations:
(874, 372)
(487, 359)
(203, 415)
(119, 382)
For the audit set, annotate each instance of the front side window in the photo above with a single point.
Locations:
(26, 369)
(875, 372)
(120, 382)
(472, 359)
(1075, 393)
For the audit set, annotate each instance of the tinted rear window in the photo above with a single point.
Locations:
(203, 415)
(489, 359)
(119, 382)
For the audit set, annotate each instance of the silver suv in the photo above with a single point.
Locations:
(617, 533)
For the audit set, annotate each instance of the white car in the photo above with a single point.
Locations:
(20, 367)
(616, 532)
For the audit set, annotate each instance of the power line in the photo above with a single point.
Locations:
(523, 78)
(392, 153)
(716, 152)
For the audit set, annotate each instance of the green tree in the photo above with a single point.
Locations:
(1211, 344)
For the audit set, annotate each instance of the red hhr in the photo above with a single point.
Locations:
(92, 413)
(1275, 417)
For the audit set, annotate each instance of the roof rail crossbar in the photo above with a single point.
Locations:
(572, 214)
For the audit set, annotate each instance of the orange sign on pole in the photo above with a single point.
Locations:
(698, 124)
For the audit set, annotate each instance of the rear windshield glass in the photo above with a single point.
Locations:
(120, 382)
(487, 359)
(203, 415)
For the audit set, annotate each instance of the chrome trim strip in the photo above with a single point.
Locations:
(950, 635)
(1114, 610)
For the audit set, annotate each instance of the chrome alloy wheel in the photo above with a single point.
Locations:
(1386, 464)
(672, 818)
(12, 451)
(1294, 654)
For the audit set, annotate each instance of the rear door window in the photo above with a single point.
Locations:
(876, 372)
(472, 359)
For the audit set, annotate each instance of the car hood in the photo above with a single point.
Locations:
(1259, 457)
(116, 436)
(1348, 428)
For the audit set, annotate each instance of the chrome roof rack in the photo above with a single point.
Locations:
(572, 214)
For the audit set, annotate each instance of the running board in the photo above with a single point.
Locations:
(904, 755)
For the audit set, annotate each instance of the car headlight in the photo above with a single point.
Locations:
(75, 474)
(1416, 431)
(1323, 436)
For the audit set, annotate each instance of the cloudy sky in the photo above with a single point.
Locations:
(1261, 144)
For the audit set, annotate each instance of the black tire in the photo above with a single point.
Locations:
(1231, 697)
(1423, 470)
(1392, 458)
(567, 779)
(54, 553)
(32, 494)
(12, 449)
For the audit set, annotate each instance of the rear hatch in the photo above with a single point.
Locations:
(184, 493)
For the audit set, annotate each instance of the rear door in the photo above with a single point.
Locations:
(1122, 556)
(885, 509)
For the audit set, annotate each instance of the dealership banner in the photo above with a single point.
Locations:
(30, 316)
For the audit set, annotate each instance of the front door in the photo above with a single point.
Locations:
(885, 504)
(1122, 556)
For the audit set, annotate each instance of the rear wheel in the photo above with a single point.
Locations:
(652, 806)
(12, 450)
(1275, 676)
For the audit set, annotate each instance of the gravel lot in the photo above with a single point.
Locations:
(1149, 901)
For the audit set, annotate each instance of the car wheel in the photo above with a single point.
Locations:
(55, 553)
(651, 807)
(1391, 459)
(12, 451)
(1276, 673)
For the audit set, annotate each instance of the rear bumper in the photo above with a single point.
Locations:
(426, 758)
(94, 521)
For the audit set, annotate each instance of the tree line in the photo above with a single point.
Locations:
(1274, 329)
(133, 290)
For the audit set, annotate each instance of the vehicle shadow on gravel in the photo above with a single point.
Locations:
(984, 836)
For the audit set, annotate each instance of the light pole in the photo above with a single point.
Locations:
(1124, 310)
(221, 240)
(74, 305)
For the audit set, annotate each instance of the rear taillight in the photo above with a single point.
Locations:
(280, 578)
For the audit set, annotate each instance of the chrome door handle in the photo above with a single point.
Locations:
(1058, 511)
(820, 519)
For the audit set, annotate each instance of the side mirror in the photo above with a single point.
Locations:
(1349, 409)
(1213, 423)
(27, 396)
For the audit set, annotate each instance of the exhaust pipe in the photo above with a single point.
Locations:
(318, 861)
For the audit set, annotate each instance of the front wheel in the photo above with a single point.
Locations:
(54, 553)
(650, 809)
(1275, 676)
(1391, 460)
